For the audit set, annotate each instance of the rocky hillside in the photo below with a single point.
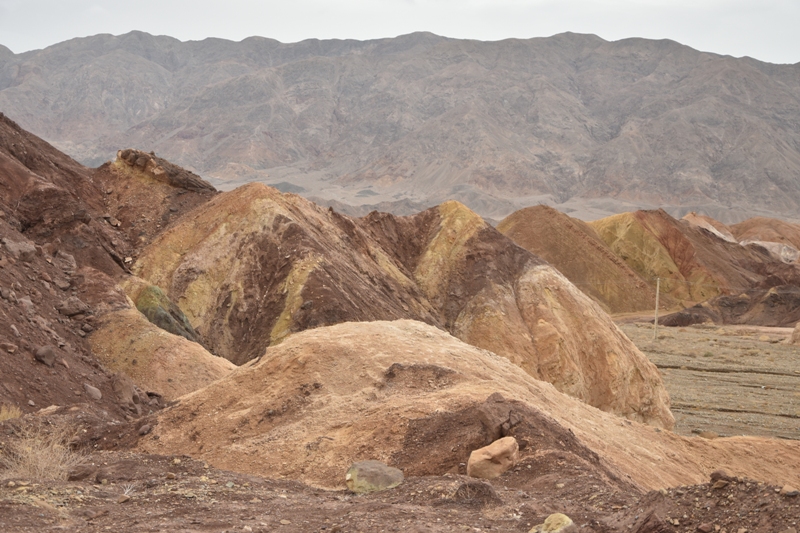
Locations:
(63, 259)
(233, 273)
(255, 265)
(594, 126)
(695, 263)
(700, 261)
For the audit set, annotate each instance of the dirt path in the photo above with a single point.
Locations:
(729, 380)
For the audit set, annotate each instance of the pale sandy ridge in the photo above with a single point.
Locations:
(323, 398)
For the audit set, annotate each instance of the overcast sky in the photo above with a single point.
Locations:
(765, 29)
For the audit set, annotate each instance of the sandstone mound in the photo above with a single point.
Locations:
(255, 265)
(573, 247)
(768, 230)
(414, 397)
(156, 360)
(795, 338)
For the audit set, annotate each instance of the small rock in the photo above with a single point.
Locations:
(72, 306)
(45, 355)
(93, 392)
(372, 476)
(171, 475)
(15, 331)
(741, 530)
(285, 522)
(491, 461)
(555, 523)
(8, 347)
(705, 528)
(788, 490)
(31, 403)
(81, 472)
(123, 498)
(176, 461)
(720, 484)
(145, 429)
(720, 474)
(789, 530)
(230, 484)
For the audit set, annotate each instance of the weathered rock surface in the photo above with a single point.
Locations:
(410, 395)
(255, 265)
(491, 461)
(162, 170)
(372, 476)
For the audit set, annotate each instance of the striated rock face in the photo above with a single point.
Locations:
(575, 249)
(413, 396)
(694, 262)
(255, 265)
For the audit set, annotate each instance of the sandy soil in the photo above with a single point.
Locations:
(729, 380)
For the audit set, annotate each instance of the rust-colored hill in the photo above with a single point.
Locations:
(694, 263)
(574, 248)
(68, 234)
(254, 266)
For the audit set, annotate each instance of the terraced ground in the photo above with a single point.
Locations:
(729, 380)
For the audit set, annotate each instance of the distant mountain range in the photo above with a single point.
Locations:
(590, 126)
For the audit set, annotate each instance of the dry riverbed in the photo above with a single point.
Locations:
(728, 380)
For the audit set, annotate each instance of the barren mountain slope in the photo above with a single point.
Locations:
(576, 251)
(415, 397)
(496, 125)
(253, 266)
(63, 257)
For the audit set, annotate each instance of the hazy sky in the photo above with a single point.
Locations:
(765, 29)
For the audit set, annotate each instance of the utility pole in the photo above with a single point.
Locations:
(658, 291)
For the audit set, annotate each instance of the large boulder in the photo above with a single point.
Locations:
(491, 461)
